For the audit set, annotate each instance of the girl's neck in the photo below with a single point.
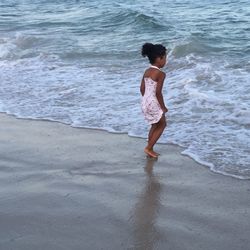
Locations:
(154, 66)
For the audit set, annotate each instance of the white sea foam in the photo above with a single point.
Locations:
(200, 119)
(7, 49)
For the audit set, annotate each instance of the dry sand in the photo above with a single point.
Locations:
(68, 188)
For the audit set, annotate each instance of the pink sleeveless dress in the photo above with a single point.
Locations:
(150, 106)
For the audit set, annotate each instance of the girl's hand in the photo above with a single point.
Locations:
(165, 110)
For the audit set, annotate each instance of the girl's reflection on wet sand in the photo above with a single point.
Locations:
(146, 211)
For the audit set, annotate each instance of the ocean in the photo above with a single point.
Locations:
(79, 63)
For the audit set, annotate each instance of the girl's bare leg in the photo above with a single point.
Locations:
(155, 135)
(149, 151)
(153, 126)
(150, 134)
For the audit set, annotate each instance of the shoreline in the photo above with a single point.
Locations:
(208, 165)
(68, 188)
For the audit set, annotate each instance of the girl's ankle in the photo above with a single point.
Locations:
(149, 148)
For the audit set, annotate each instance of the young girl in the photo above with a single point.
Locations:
(153, 106)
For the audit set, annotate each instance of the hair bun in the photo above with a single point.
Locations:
(147, 49)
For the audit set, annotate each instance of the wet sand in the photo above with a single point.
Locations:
(70, 188)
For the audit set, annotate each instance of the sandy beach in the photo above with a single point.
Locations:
(71, 188)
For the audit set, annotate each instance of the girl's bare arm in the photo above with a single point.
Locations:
(159, 91)
(142, 88)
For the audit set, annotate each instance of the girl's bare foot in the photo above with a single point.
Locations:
(150, 153)
(156, 153)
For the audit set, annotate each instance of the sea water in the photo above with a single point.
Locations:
(79, 63)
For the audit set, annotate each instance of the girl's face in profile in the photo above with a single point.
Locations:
(162, 61)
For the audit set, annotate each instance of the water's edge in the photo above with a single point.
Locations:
(202, 163)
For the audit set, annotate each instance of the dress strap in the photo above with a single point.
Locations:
(155, 67)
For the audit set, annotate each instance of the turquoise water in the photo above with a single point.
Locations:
(79, 63)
